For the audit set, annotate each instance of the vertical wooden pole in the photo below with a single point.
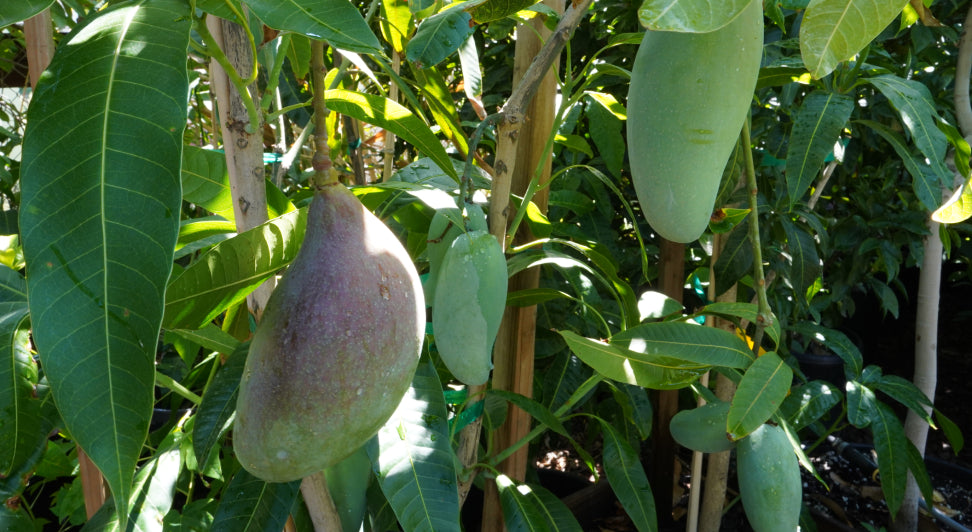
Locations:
(671, 280)
(242, 141)
(516, 339)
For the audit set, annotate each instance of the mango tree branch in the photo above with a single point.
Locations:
(764, 316)
(512, 117)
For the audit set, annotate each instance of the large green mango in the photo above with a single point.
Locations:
(689, 96)
(469, 301)
(769, 480)
(337, 346)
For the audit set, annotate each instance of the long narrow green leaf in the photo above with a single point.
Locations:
(924, 181)
(805, 262)
(414, 460)
(392, 116)
(690, 16)
(622, 365)
(736, 259)
(336, 21)
(560, 380)
(529, 508)
(837, 342)
(957, 208)
(919, 115)
(20, 411)
(687, 341)
(861, 404)
(252, 505)
(760, 393)
(218, 408)
(19, 10)
(891, 446)
(628, 479)
(232, 269)
(745, 311)
(210, 337)
(816, 127)
(835, 30)
(100, 217)
(809, 402)
(535, 409)
(205, 182)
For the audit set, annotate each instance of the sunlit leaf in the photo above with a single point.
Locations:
(491, 10)
(392, 116)
(690, 16)
(232, 269)
(100, 216)
(816, 127)
(958, 208)
(809, 402)
(414, 461)
(687, 341)
(835, 30)
(205, 183)
(337, 21)
(528, 508)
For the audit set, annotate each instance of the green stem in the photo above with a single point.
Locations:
(322, 155)
(273, 79)
(764, 317)
(578, 394)
(212, 47)
(166, 381)
(273, 116)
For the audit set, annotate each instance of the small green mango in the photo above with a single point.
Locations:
(769, 480)
(337, 346)
(468, 306)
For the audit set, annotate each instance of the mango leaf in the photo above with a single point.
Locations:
(20, 10)
(336, 21)
(636, 406)
(736, 259)
(232, 269)
(605, 128)
(20, 410)
(438, 36)
(916, 106)
(431, 82)
(744, 311)
(687, 341)
(210, 337)
(703, 428)
(100, 217)
(689, 16)
(535, 409)
(816, 127)
(809, 402)
(220, 8)
(413, 458)
(396, 24)
(528, 508)
(951, 430)
(622, 365)
(861, 404)
(491, 10)
(838, 343)
(924, 181)
(348, 482)
(472, 74)
(759, 395)
(250, 504)
(205, 182)
(958, 208)
(624, 471)
(835, 30)
(218, 407)
(891, 446)
(392, 116)
(153, 492)
(13, 288)
(906, 393)
(17, 520)
(805, 262)
(560, 380)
